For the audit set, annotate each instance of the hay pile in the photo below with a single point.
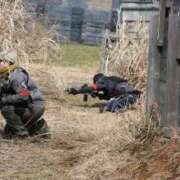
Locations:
(128, 58)
(21, 32)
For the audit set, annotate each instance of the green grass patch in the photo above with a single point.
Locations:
(79, 55)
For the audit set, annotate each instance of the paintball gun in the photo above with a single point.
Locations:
(77, 90)
(84, 89)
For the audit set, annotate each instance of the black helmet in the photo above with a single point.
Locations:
(97, 77)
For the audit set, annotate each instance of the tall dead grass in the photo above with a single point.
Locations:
(128, 58)
(19, 31)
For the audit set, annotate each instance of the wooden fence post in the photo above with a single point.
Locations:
(153, 88)
(172, 75)
(164, 67)
(104, 54)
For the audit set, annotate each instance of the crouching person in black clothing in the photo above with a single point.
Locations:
(21, 103)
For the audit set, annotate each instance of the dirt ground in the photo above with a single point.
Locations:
(84, 145)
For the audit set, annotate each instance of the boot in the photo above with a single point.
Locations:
(10, 132)
(40, 127)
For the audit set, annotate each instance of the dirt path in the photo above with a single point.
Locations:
(85, 145)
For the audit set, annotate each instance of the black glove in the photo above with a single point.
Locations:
(84, 85)
(103, 97)
(94, 94)
(73, 91)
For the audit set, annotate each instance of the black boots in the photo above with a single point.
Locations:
(10, 132)
(39, 128)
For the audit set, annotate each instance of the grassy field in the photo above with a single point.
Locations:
(78, 55)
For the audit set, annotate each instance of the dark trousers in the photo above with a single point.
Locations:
(22, 118)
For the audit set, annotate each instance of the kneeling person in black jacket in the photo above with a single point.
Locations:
(21, 103)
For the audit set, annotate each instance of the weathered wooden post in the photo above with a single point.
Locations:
(104, 53)
(173, 69)
(164, 66)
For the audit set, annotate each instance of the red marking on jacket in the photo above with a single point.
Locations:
(24, 92)
(94, 87)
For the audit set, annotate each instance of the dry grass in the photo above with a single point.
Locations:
(19, 31)
(96, 139)
(128, 58)
(85, 144)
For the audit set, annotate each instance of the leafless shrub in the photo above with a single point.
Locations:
(21, 32)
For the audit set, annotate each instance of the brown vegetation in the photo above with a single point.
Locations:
(86, 144)
(128, 58)
(21, 32)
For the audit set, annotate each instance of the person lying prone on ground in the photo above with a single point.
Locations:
(108, 87)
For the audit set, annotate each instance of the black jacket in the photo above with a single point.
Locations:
(113, 86)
